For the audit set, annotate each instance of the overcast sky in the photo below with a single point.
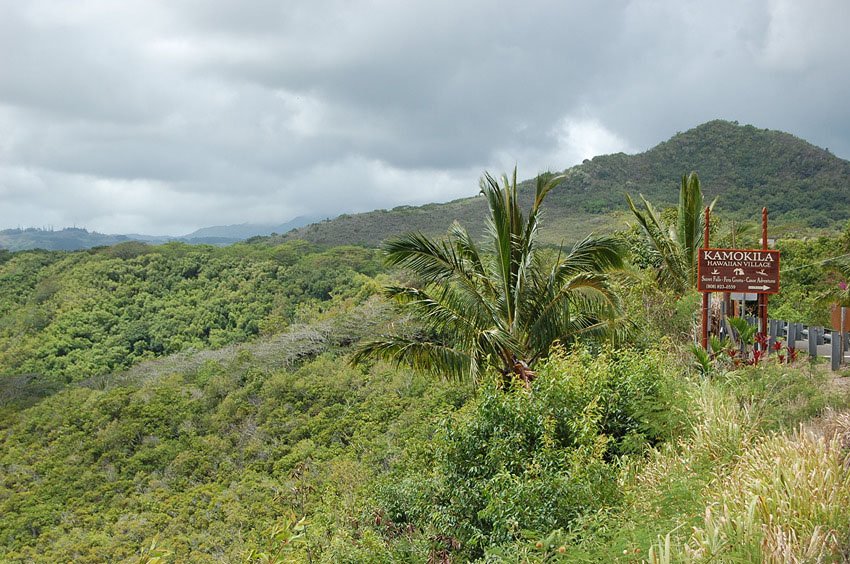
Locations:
(162, 117)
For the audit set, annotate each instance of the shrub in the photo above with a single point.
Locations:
(537, 459)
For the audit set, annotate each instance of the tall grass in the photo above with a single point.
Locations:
(746, 483)
(783, 501)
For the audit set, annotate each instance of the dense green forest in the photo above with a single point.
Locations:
(803, 186)
(181, 403)
(78, 315)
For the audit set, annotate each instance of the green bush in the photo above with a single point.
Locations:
(536, 459)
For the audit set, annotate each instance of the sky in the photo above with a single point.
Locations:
(160, 117)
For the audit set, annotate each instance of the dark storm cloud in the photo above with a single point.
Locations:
(166, 116)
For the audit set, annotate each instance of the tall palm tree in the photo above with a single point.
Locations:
(678, 245)
(501, 308)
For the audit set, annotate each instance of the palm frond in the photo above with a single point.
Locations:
(434, 261)
(447, 311)
(673, 271)
(591, 254)
(437, 358)
(467, 249)
(502, 200)
(504, 307)
(562, 313)
(690, 223)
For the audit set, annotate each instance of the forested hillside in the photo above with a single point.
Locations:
(183, 403)
(803, 186)
(73, 316)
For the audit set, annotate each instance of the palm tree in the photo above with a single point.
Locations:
(678, 245)
(502, 308)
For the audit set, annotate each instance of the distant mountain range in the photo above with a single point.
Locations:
(247, 230)
(805, 188)
(75, 238)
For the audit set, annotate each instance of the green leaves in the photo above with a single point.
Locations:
(503, 306)
(677, 246)
(83, 314)
(519, 461)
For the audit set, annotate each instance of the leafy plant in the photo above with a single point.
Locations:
(502, 308)
(281, 540)
(702, 360)
(539, 459)
(744, 332)
(677, 245)
(154, 554)
(716, 356)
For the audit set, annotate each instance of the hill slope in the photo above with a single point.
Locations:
(243, 231)
(802, 186)
(71, 316)
(68, 239)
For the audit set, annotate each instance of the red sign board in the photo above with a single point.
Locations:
(754, 271)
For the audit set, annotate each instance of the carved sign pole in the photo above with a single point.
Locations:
(763, 297)
(706, 225)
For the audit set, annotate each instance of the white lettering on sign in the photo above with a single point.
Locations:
(751, 259)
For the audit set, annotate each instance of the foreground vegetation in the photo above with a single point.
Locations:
(503, 304)
(176, 403)
(235, 458)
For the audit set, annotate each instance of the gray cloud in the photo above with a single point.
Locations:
(163, 117)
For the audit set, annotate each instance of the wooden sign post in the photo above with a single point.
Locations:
(752, 271)
(706, 225)
(763, 297)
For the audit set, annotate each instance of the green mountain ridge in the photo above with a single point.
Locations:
(68, 239)
(803, 186)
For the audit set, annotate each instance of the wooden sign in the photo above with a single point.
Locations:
(753, 271)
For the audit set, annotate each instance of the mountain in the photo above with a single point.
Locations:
(803, 186)
(68, 239)
(75, 238)
(244, 231)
